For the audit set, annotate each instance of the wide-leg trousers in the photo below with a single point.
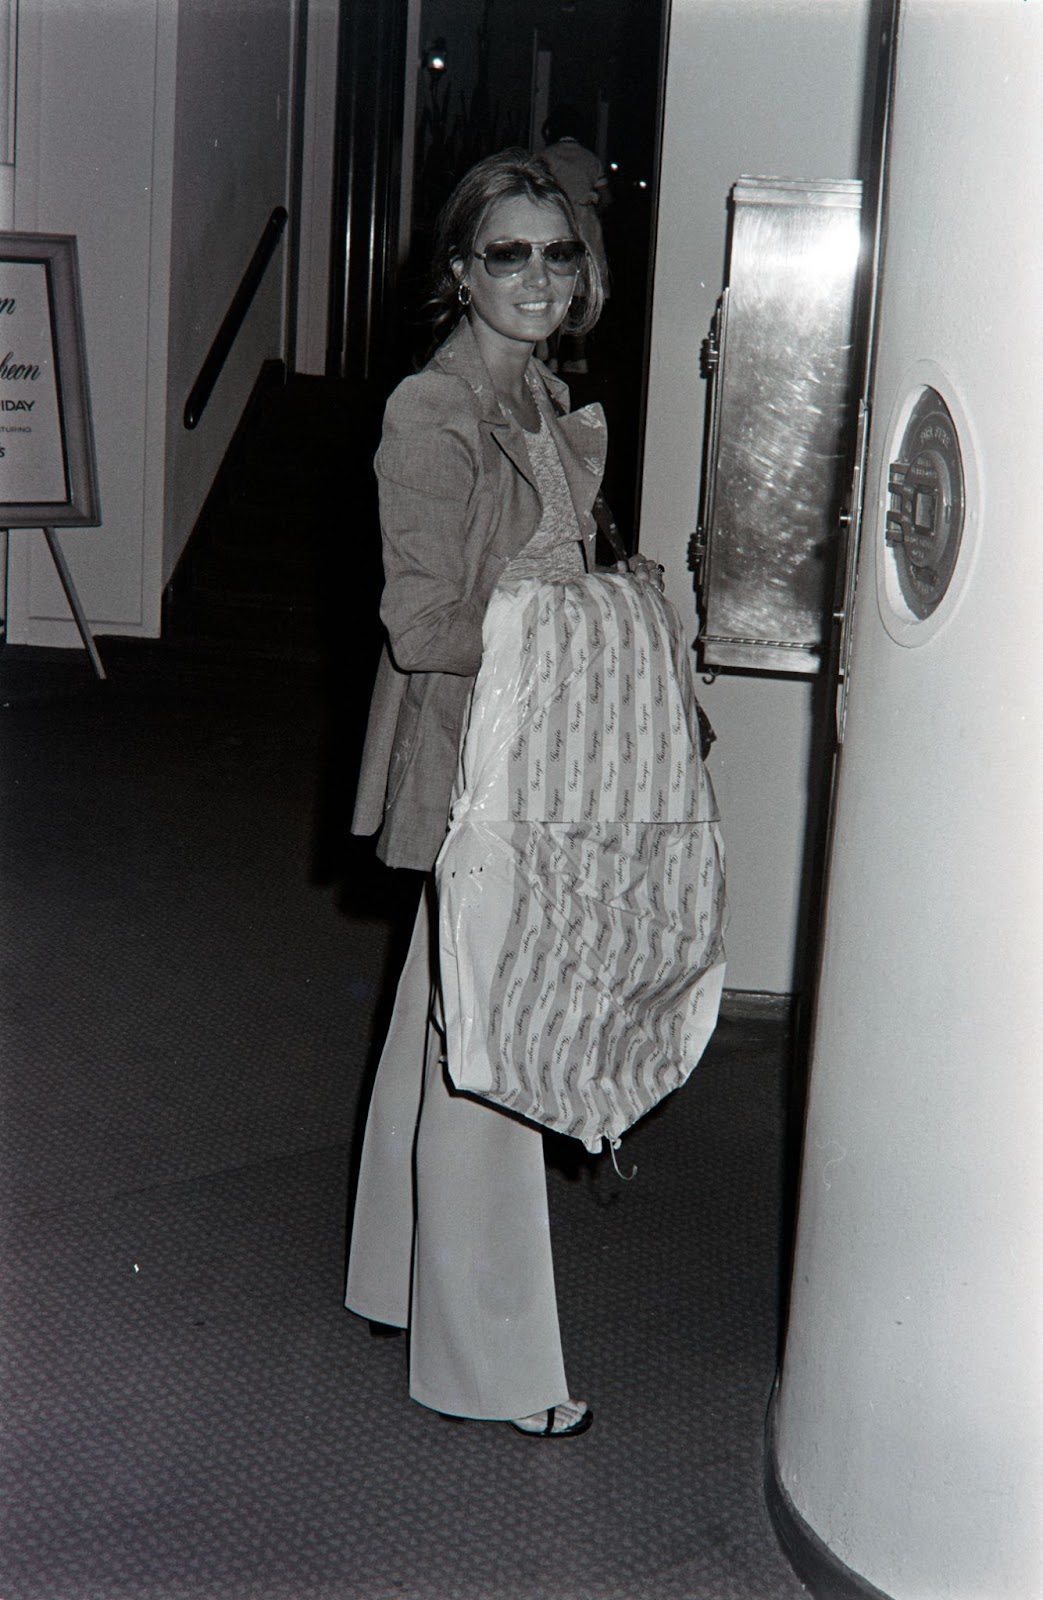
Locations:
(450, 1236)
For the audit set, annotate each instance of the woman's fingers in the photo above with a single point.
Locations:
(641, 567)
(650, 571)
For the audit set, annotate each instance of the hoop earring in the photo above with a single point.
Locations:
(463, 294)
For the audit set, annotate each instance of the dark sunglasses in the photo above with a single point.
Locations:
(507, 256)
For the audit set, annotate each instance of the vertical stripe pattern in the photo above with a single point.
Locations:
(582, 880)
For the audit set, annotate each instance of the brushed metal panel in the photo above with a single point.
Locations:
(781, 425)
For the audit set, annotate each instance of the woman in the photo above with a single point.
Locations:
(482, 474)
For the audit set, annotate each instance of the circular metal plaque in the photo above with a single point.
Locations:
(925, 517)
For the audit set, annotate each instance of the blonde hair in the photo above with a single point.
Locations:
(504, 176)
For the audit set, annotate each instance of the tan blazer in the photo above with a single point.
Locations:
(458, 500)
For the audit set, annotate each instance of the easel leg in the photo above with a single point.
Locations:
(50, 534)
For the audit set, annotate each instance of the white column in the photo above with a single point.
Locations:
(909, 1434)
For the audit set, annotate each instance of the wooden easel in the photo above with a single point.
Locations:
(56, 482)
(75, 603)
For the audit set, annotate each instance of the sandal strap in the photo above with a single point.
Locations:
(580, 1424)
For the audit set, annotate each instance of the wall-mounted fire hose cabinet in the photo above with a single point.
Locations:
(780, 442)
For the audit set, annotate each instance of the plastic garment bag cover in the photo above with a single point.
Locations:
(581, 883)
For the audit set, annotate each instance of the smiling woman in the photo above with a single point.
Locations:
(520, 265)
(510, 312)
(479, 462)
(487, 486)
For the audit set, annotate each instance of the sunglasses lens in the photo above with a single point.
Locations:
(509, 256)
(564, 255)
(502, 260)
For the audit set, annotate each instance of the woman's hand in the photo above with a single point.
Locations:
(641, 567)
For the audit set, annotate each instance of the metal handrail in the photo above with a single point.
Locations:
(234, 318)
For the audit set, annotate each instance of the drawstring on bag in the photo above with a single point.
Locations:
(613, 1145)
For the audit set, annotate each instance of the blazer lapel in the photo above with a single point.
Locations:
(460, 355)
(582, 442)
(511, 440)
(582, 435)
(583, 446)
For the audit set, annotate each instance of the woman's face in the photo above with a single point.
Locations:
(530, 305)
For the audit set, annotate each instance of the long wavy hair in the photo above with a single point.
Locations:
(508, 175)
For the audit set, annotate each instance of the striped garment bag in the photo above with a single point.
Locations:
(581, 882)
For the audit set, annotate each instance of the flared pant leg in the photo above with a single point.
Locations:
(380, 1258)
(482, 1314)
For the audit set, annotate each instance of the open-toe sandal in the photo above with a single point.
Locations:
(557, 1422)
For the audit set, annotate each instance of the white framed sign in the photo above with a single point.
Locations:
(48, 475)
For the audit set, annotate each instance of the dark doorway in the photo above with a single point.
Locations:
(368, 168)
(486, 70)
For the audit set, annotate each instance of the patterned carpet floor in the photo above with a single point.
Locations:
(188, 1020)
(196, 964)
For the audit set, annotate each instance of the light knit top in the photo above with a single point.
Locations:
(555, 551)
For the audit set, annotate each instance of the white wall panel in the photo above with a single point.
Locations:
(8, 103)
(8, 78)
(157, 132)
(764, 88)
(85, 166)
(232, 132)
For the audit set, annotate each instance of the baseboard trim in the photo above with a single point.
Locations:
(822, 1573)
(752, 1005)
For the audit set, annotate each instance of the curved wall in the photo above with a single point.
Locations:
(910, 1416)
